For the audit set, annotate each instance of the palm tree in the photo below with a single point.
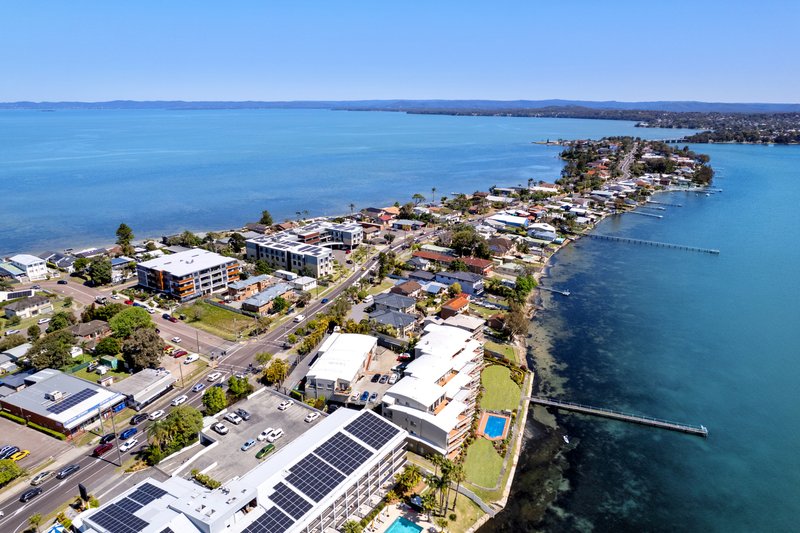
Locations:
(458, 475)
(433, 195)
(418, 198)
(352, 208)
(159, 434)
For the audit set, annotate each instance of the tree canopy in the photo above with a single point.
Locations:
(52, 350)
(60, 320)
(100, 271)
(11, 341)
(266, 218)
(277, 371)
(9, 471)
(239, 387)
(124, 323)
(177, 430)
(102, 312)
(214, 400)
(143, 349)
(124, 238)
(108, 346)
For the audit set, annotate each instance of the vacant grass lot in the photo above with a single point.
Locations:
(483, 463)
(500, 391)
(508, 351)
(217, 321)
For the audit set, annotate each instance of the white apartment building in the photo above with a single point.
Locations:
(316, 261)
(336, 471)
(35, 268)
(436, 398)
(188, 274)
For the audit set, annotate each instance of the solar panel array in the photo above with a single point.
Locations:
(71, 401)
(115, 519)
(130, 505)
(314, 477)
(273, 521)
(344, 453)
(371, 430)
(147, 493)
(290, 501)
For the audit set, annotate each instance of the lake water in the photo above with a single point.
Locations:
(690, 337)
(70, 177)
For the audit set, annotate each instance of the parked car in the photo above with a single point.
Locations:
(103, 448)
(128, 433)
(3, 449)
(233, 418)
(285, 404)
(176, 340)
(198, 387)
(364, 396)
(384, 379)
(128, 302)
(179, 353)
(191, 359)
(61, 282)
(375, 378)
(155, 415)
(43, 321)
(275, 435)
(150, 310)
(12, 332)
(9, 452)
(41, 477)
(264, 451)
(214, 376)
(248, 444)
(28, 495)
(138, 419)
(393, 379)
(264, 434)
(373, 396)
(179, 400)
(354, 396)
(20, 455)
(172, 319)
(220, 428)
(115, 296)
(310, 417)
(243, 414)
(68, 471)
(92, 366)
(108, 437)
(128, 444)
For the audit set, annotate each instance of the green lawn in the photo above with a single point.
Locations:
(216, 320)
(500, 391)
(93, 376)
(385, 284)
(483, 464)
(508, 351)
(481, 311)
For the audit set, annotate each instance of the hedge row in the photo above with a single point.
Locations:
(33, 425)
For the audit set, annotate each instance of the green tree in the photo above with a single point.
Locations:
(102, 312)
(516, 321)
(237, 242)
(124, 238)
(143, 349)
(279, 304)
(277, 371)
(458, 266)
(60, 320)
(441, 523)
(214, 400)
(176, 431)
(262, 324)
(14, 321)
(263, 358)
(409, 478)
(266, 218)
(351, 526)
(124, 323)
(340, 307)
(52, 350)
(389, 238)
(110, 346)
(80, 264)
(239, 387)
(33, 332)
(433, 195)
(303, 298)
(454, 289)
(429, 502)
(11, 341)
(68, 301)
(100, 271)
(35, 521)
(9, 471)
(418, 198)
(262, 267)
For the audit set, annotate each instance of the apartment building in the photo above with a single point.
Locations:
(435, 400)
(282, 253)
(188, 274)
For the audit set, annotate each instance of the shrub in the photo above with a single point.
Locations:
(206, 481)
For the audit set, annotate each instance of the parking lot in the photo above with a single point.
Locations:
(230, 460)
(380, 365)
(40, 445)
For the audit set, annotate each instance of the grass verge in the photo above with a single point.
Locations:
(500, 391)
(483, 464)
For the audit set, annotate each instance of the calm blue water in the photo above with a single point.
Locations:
(70, 177)
(495, 425)
(690, 337)
(402, 525)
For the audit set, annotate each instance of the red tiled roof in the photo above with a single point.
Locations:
(459, 302)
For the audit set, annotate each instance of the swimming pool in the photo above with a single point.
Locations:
(495, 426)
(402, 525)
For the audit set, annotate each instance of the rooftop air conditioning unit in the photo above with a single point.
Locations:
(54, 396)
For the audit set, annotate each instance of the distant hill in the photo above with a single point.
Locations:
(422, 105)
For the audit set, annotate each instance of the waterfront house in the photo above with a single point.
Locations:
(470, 283)
(406, 224)
(542, 231)
(35, 268)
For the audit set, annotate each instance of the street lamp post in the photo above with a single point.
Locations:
(114, 427)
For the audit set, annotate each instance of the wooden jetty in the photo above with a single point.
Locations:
(664, 203)
(645, 214)
(700, 431)
(557, 291)
(652, 243)
(656, 207)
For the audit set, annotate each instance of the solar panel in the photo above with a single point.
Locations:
(273, 521)
(129, 505)
(343, 453)
(372, 430)
(71, 401)
(115, 519)
(147, 493)
(314, 477)
(290, 501)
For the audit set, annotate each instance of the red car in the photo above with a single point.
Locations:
(103, 448)
(179, 353)
(128, 302)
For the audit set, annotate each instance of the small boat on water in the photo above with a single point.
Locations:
(566, 439)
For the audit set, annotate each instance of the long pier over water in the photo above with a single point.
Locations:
(652, 243)
(700, 431)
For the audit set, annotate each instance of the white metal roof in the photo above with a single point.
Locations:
(341, 356)
(188, 262)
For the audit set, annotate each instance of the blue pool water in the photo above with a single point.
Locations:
(402, 525)
(495, 425)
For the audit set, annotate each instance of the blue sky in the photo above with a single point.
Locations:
(729, 51)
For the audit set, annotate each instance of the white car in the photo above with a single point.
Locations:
(191, 359)
(179, 400)
(151, 310)
(354, 396)
(233, 418)
(115, 296)
(310, 417)
(12, 332)
(127, 445)
(220, 428)
(43, 321)
(393, 379)
(264, 435)
(176, 340)
(155, 415)
(275, 435)
(299, 318)
(285, 405)
(214, 376)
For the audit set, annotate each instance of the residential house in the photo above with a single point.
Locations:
(542, 231)
(394, 302)
(35, 268)
(261, 229)
(422, 276)
(262, 302)
(90, 331)
(454, 307)
(245, 288)
(303, 283)
(418, 263)
(120, 268)
(29, 307)
(408, 288)
(470, 283)
(403, 323)
(16, 294)
(407, 224)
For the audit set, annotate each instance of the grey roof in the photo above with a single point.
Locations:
(423, 275)
(394, 300)
(393, 318)
(18, 351)
(144, 384)
(265, 297)
(244, 283)
(467, 277)
(28, 303)
(89, 328)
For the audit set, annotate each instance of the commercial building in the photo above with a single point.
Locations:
(188, 274)
(61, 402)
(336, 471)
(292, 255)
(145, 386)
(436, 397)
(35, 268)
(340, 361)
(28, 307)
